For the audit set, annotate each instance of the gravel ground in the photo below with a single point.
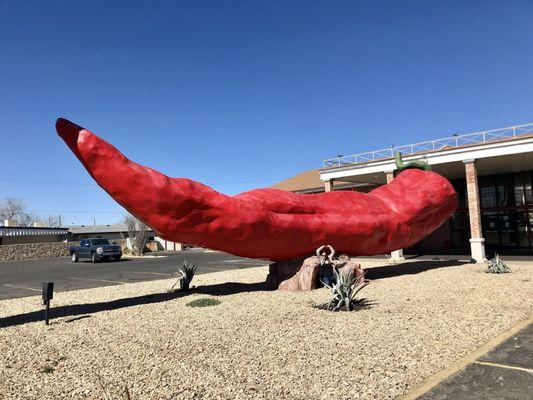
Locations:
(255, 344)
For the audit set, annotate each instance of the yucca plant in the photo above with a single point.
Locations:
(497, 266)
(185, 274)
(344, 291)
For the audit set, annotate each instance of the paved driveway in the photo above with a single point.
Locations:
(506, 372)
(24, 278)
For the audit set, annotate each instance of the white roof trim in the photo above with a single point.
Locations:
(485, 150)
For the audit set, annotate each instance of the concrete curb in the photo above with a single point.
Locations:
(440, 376)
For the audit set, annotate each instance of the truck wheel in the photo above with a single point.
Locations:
(93, 258)
(74, 257)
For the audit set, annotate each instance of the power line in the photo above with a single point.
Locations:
(47, 183)
(76, 212)
(104, 203)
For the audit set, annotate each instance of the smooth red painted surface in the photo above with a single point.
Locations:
(268, 223)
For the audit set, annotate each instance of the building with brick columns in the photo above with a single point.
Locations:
(492, 172)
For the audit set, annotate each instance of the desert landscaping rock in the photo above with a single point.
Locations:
(259, 344)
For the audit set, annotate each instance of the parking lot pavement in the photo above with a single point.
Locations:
(506, 372)
(24, 278)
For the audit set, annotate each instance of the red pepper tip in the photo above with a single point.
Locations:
(68, 131)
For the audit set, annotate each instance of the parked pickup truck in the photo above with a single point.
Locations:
(96, 250)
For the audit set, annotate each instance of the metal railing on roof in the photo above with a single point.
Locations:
(454, 141)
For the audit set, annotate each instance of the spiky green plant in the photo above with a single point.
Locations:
(497, 266)
(185, 274)
(344, 292)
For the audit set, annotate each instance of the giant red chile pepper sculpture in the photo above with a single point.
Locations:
(268, 223)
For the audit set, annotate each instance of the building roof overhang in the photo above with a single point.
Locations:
(494, 157)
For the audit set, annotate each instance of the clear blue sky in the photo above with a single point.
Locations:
(242, 94)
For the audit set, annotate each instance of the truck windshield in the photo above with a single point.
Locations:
(99, 242)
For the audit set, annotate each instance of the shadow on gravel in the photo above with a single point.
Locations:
(77, 318)
(83, 310)
(225, 289)
(363, 304)
(410, 268)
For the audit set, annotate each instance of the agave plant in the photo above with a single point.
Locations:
(497, 266)
(185, 274)
(344, 291)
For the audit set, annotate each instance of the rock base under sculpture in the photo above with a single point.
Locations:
(302, 273)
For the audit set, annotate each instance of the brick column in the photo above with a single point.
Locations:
(328, 185)
(389, 175)
(477, 243)
(397, 255)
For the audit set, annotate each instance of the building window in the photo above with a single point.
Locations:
(506, 202)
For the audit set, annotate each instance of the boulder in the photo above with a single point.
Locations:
(294, 275)
(344, 265)
(302, 273)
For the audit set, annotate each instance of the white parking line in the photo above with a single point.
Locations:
(151, 273)
(490, 364)
(22, 287)
(97, 280)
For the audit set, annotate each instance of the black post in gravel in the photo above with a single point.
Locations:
(48, 294)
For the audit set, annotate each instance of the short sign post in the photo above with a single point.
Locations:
(48, 294)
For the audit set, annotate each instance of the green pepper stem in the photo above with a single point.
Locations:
(418, 164)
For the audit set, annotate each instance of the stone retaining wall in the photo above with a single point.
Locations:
(36, 251)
